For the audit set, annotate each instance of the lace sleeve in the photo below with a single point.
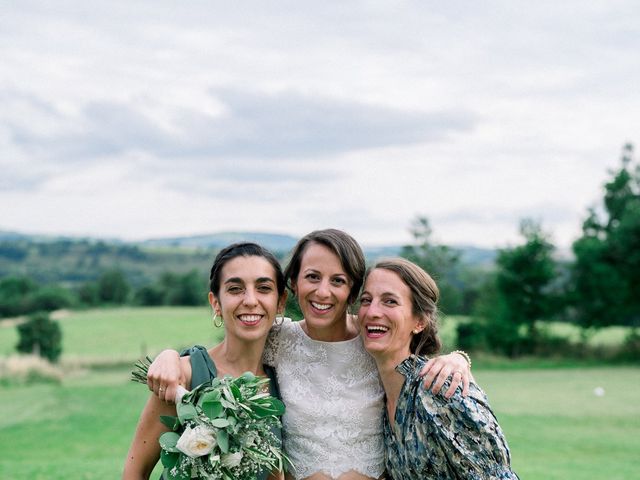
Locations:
(271, 347)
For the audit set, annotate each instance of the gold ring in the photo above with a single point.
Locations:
(458, 371)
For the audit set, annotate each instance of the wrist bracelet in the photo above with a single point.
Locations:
(464, 355)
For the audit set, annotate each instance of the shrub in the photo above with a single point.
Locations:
(471, 336)
(630, 349)
(41, 336)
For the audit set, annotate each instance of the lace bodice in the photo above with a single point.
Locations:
(334, 403)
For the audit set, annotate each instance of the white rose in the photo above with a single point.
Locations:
(195, 442)
(231, 460)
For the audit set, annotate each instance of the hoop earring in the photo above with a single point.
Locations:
(279, 320)
(217, 323)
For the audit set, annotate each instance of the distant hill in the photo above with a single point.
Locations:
(272, 241)
(72, 261)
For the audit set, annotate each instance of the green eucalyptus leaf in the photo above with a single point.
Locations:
(212, 409)
(220, 422)
(262, 412)
(227, 404)
(210, 396)
(169, 459)
(235, 391)
(168, 441)
(186, 411)
(170, 421)
(222, 438)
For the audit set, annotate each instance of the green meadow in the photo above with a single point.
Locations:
(557, 427)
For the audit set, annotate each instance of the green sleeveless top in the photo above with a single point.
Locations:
(204, 370)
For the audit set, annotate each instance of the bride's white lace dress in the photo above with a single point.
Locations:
(334, 403)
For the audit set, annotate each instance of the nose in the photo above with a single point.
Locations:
(372, 310)
(323, 289)
(250, 298)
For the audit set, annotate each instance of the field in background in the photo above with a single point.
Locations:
(124, 334)
(557, 427)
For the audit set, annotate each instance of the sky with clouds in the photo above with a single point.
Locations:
(147, 119)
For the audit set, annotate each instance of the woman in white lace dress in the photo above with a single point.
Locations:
(330, 385)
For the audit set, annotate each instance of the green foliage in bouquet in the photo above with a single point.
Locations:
(223, 430)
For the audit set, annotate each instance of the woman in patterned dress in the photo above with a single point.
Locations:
(425, 436)
(332, 426)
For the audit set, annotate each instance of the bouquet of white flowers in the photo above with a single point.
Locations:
(223, 430)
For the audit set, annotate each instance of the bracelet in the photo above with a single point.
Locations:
(464, 355)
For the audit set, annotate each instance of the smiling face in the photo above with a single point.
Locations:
(387, 321)
(247, 298)
(322, 289)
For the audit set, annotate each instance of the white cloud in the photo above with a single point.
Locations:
(153, 118)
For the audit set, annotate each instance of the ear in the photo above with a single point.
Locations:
(419, 326)
(282, 301)
(215, 304)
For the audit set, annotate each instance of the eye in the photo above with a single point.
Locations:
(266, 288)
(365, 300)
(390, 301)
(312, 276)
(339, 281)
(234, 289)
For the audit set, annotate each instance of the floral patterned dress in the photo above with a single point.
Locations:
(436, 438)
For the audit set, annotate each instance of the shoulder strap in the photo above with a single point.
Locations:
(202, 367)
(274, 389)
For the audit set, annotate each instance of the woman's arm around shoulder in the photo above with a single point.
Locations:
(166, 373)
(467, 432)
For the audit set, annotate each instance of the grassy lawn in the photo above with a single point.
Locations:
(126, 333)
(556, 426)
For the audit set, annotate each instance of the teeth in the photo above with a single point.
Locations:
(249, 318)
(321, 306)
(377, 328)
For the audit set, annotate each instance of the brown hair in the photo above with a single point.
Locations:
(343, 245)
(424, 299)
(243, 249)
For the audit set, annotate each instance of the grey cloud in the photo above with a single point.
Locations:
(255, 125)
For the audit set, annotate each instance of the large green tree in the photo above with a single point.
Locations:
(525, 278)
(525, 290)
(440, 261)
(606, 272)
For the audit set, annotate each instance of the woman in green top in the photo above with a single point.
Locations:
(247, 290)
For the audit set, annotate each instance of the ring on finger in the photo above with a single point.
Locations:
(458, 371)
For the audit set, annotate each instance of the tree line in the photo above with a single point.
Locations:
(529, 286)
(509, 305)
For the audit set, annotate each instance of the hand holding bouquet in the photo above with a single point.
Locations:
(223, 430)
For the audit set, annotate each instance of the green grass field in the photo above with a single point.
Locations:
(556, 426)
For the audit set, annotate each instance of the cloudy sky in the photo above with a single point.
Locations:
(146, 119)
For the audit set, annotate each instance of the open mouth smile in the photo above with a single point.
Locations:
(321, 306)
(376, 331)
(250, 319)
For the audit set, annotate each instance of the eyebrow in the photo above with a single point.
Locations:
(315, 270)
(383, 294)
(258, 280)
